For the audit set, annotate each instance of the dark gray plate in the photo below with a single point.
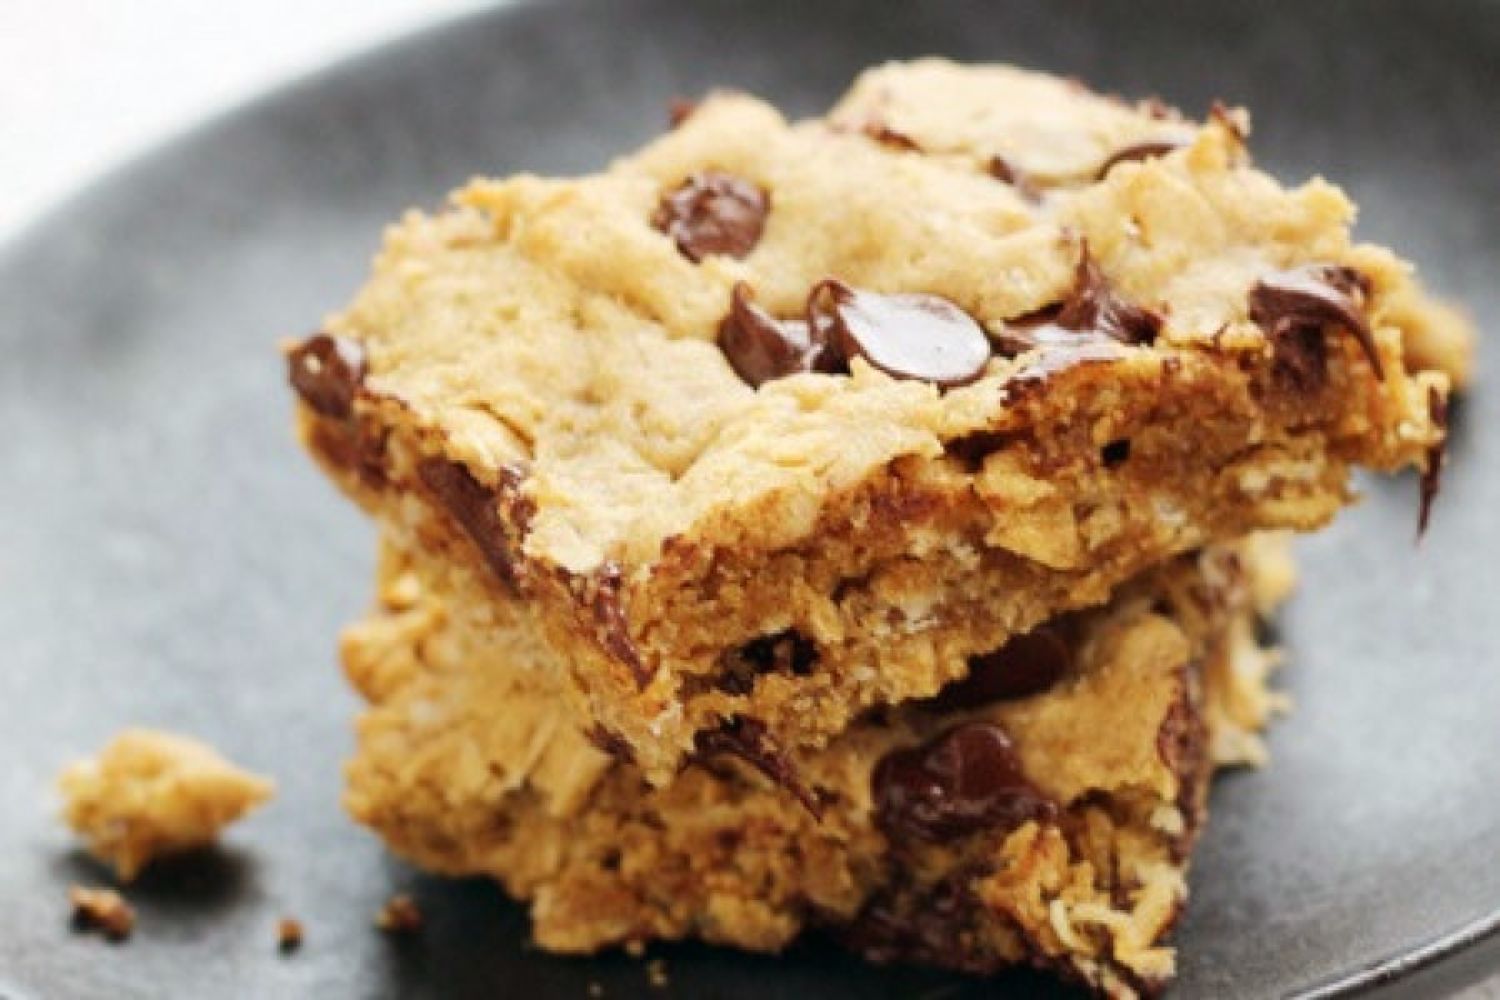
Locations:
(168, 558)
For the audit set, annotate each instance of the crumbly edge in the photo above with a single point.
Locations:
(517, 792)
(928, 562)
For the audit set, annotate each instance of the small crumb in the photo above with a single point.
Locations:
(288, 935)
(596, 990)
(656, 973)
(102, 909)
(399, 915)
(635, 949)
(151, 793)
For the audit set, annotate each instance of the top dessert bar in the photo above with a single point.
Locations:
(781, 422)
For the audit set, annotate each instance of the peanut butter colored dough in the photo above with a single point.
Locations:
(151, 793)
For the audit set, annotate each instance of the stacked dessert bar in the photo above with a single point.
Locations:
(858, 523)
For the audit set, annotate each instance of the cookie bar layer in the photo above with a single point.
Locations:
(532, 389)
(1042, 811)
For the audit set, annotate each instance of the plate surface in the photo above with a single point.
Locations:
(168, 558)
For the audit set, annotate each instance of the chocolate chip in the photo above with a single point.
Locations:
(913, 336)
(760, 347)
(1114, 454)
(1003, 170)
(887, 136)
(1432, 475)
(713, 213)
(679, 110)
(1027, 664)
(786, 652)
(604, 596)
(1092, 314)
(965, 780)
(609, 742)
(748, 739)
(1140, 151)
(327, 371)
(1295, 307)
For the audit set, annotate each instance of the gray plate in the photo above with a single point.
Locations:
(167, 558)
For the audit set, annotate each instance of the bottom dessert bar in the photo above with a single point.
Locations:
(1042, 811)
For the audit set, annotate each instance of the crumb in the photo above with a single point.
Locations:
(288, 935)
(635, 949)
(399, 915)
(656, 973)
(151, 793)
(102, 909)
(596, 990)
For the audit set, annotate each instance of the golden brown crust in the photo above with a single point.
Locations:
(468, 762)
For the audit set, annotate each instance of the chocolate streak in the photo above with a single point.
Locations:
(603, 595)
(479, 509)
(1182, 745)
(748, 739)
(1140, 151)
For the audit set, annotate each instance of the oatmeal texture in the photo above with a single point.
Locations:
(1063, 841)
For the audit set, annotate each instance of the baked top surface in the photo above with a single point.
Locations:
(552, 326)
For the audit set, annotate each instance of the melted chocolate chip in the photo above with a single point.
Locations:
(713, 213)
(1140, 151)
(787, 652)
(1088, 325)
(477, 509)
(1095, 306)
(925, 925)
(965, 780)
(1026, 665)
(1295, 307)
(760, 347)
(327, 371)
(906, 336)
(604, 591)
(748, 739)
(1432, 476)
